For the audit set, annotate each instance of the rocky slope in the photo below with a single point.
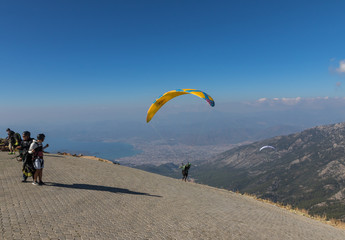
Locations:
(307, 170)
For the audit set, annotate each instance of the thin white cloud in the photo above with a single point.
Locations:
(291, 101)
(287, 101)
(341, 68)
(262, 100)
(294, 101)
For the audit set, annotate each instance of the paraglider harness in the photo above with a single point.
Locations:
(18, 139)
(28, 163)
(14, 138)
(185, 169)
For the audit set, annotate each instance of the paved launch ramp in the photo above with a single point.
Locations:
(88, 199)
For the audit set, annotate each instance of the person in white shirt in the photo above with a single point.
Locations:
(36, 149)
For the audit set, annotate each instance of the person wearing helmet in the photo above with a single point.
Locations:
(36, 149)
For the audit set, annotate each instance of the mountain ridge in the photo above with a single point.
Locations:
(307, 170)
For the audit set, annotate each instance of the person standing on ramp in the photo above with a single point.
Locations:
(185, 169)
(36, 148)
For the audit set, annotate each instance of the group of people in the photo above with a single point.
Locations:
(30, 153)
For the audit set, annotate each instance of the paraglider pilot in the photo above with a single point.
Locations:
(185, 169)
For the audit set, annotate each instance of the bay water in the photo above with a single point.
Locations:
(106, 150)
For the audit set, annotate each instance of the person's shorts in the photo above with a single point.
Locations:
(39, 163)
(10, 146)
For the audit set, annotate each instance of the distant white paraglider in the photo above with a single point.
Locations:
(267, 147)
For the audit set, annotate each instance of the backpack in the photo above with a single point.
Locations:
(187, 166)
(38, 151)
(18, 139)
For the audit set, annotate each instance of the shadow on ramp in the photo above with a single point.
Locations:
(99, 188)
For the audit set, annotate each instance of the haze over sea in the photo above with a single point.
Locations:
(105, 150)
(177, 125)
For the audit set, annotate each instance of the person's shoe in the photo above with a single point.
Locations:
(41, 183)
(24, 180)
(34, 183)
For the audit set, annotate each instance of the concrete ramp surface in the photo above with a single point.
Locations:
(89, 199)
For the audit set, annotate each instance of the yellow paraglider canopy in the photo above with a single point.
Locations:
(159, 102)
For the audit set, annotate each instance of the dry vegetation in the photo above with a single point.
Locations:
(303, 212)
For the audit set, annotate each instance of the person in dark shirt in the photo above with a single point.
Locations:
(28, 168)
(14, 140)
(11, 140)
(185, 169)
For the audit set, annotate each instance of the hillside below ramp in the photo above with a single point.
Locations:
(89, 199)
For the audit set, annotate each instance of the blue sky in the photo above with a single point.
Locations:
(75, 54)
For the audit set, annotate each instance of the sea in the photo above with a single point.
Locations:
(105, 150)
